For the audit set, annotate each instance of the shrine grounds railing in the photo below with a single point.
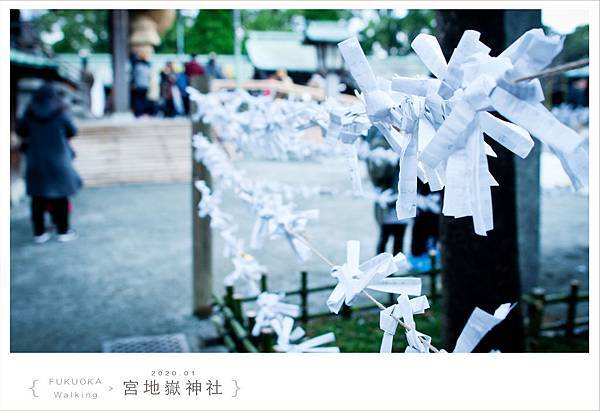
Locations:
(237, 322)
(538, 300)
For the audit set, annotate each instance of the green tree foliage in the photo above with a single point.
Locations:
(281, 20)
(212, 31)
(82, 29)
(266, 20)
(576, 46)
(168, 42)
(395, 34)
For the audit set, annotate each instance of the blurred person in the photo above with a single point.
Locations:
(45, 129)
(87, 79)
(212, 67)
(281, 75)
(193, 68)
(384, 176)
(182, 84)
(228, 71)
(426, 228)
(579, 93)
(317, 81)
(168, 80)
(140, 84)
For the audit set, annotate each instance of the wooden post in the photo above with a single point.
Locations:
(465, 255)
(535, 312)
(572, 309)
(201, 233)
(251, 316)
(267, 340)
(119, 21)
(392, 299)
(346, 312)
(237, 307)
(263, 283)
(229, 296)
(304, 295)
(433, 273)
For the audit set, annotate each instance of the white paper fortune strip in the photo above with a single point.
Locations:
(389, 325)
(270, 307)
(451, 115)
(312, 345)
(246, 270)
(373, 274)
(288, 339)
(478, 325)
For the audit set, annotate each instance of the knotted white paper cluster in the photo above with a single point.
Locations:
(289, 339)
(374, 274)
(279, 316)
(275, 217)
(436, 125)
(478, 325)
(272, 309)
(261, 125)
(435, 128)
(404, 309)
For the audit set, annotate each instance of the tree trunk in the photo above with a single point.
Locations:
(482, 271)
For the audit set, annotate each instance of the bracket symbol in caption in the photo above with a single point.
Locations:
(237, 388)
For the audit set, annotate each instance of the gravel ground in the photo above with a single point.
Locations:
(129, 272)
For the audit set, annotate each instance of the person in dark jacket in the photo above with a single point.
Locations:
(140, 82)
(426, 229)
(168, 80)
(193, 68)
(45, 129)
(384, 176)
(212, 67)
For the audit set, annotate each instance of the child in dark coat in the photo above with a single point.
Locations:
(50, 178)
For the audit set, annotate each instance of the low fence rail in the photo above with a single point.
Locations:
(238, 322)
(538, 300)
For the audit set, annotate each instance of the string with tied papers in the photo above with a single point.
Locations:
(436, 125)
(435, 128)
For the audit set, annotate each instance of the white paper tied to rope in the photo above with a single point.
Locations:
(209, 206)
(291, 225)
(312, 345)
(270, 307)
(286, 332)
(372, 274)
(389, 325)
(472, 83)
(378, 102)
(232, 245)
(478, 325)
(288, 339)
(347, 124)
(276, 219)
(397, 121)
(266, 207)
(247, 271)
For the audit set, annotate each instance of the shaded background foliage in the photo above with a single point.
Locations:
(212, 30)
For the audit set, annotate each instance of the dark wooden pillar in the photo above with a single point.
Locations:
(202, 276)
(528, 191)
(119, 23)
(482, 271)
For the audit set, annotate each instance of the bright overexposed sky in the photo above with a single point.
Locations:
(565, 21)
